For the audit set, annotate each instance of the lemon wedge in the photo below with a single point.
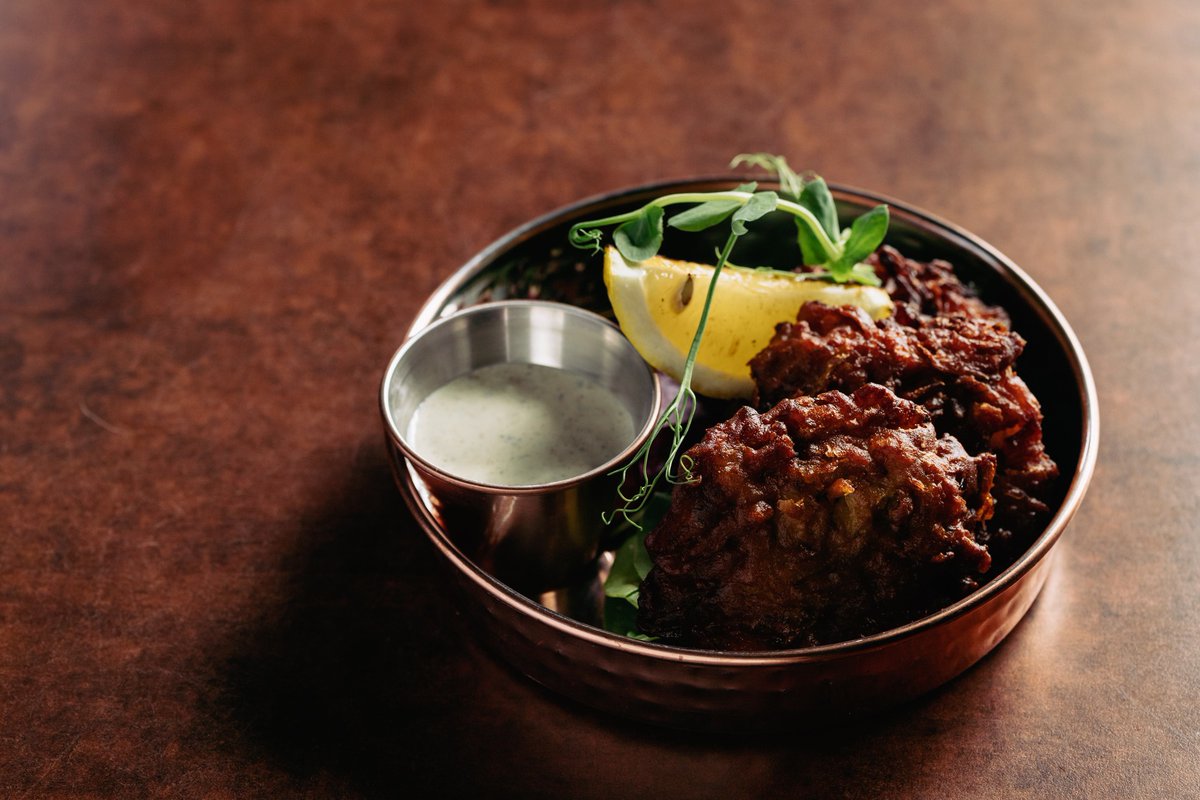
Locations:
(658, 303)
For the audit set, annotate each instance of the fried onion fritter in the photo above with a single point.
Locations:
(928, 288)
(960, 368)
(823, 519)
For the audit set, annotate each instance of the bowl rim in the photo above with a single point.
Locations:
(1041, 546)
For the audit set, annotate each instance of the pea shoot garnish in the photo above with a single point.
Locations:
(832, 254)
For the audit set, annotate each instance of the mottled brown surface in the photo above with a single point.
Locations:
(961, 368)
(824, 519)
(216, 220)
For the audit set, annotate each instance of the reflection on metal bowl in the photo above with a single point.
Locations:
(557, 646)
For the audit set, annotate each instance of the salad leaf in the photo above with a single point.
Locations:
(621, 618)
(760, 204)
(640, 237)
(631, 564)
(817, 199)
(706, 215)
(791, 183)
(866, 234)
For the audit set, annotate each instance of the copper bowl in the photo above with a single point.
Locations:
(552, 639)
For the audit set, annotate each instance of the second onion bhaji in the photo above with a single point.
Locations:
(960, 368)
(823, 519)
(928, 288)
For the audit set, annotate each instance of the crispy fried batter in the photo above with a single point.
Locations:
(958, 367)
(928, 288)
(828, 517)
(841, 347)
(823, 519)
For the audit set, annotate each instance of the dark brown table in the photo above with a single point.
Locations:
(217, 220)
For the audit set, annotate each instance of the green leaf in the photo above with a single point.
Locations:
(759, 205)
(706, 215)
(621, 618)
(810, 246)
(640, 237)
(631, 564)
(866, 234)
(865, 274)
(625, 578)
(642, 563)
(817, 199)
(790, 183)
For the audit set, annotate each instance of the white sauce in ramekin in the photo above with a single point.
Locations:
(514, 424)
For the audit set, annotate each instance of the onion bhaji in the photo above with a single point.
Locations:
(928, 289)
(831, 516)
(960, 368)
(822, 519)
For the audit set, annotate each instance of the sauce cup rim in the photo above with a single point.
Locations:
(413, 340)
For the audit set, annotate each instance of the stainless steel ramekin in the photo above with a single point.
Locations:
(534, 538)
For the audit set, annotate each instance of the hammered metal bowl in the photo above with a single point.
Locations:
(554, 640)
